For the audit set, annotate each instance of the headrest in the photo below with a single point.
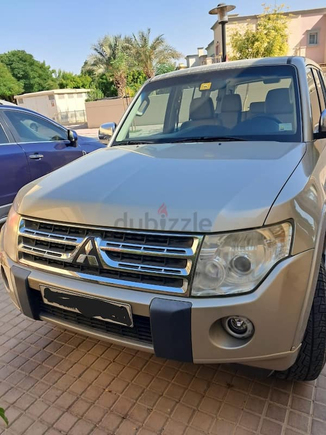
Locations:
(257, 107)
(231, 103)
(278, 101)
(201, 108)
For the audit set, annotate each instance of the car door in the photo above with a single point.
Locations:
(45, 143)
(14, 170)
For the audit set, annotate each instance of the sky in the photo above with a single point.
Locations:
(61, 32)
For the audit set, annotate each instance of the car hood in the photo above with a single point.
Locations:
(82, 140)
(87, 139)
(189, 187)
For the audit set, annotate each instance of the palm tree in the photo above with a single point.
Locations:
(147, 55)
(109, 58)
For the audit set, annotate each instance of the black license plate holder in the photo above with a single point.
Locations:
(89, 306)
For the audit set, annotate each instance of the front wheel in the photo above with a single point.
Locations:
(312, 354)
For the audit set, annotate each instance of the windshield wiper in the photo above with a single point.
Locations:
(134, 142)
(208, 139)
(181, 140)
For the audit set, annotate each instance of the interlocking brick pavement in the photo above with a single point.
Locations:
(56, 382)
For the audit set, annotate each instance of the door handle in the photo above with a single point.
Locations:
(36, 156)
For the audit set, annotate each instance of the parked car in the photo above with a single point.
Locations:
(199, 234)
(31, 146)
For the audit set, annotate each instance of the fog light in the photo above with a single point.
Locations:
(238, 327)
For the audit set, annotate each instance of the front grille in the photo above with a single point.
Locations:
(148, 261)
(141, 330)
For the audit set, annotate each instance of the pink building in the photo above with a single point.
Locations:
(307, 36)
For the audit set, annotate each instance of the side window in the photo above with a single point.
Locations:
(31, 128)
(315, 108)
(3, 136)
(320, 89)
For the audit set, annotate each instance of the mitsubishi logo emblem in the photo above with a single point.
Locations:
(87, 253)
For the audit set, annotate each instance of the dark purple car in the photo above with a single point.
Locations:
(31, 146)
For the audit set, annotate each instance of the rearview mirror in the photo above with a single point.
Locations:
(72, 137)
(143, 107)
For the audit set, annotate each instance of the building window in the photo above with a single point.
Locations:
(20, 101)
(51, 97)
(313, 38)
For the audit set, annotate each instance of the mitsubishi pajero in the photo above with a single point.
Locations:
(198, 234)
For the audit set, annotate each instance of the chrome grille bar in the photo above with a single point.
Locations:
(48, 237)
(46, 253)
(148, 261)
(149, 250)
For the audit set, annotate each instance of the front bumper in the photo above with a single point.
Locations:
(188, 329)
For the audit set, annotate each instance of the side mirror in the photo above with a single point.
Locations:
(322, 125)
(106, 131)
(72, 137)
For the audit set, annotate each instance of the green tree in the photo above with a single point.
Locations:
(268, 40)
(69, 80)
(100, 81)
(9, 86)
(30, 73)
(109, 58)
(105, 85)
(147, 54)
(164, 68)
(135, 80)
(95, 94)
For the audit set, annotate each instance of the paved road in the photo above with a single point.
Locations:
(55, 382)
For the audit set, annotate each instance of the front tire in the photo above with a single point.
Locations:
(312, 355)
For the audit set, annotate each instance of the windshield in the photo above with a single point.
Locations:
(255, 103)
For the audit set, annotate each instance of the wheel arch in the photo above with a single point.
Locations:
(312, 282)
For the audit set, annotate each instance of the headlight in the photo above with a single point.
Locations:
(237, 262)
(10, 236)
